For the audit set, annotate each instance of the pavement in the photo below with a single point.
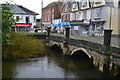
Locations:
(115, 41)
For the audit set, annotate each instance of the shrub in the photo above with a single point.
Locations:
(23, 46)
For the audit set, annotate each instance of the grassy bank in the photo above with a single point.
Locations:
(23, 47)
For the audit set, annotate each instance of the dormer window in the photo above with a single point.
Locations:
(97, 1)
(84, 4)
(74, 5)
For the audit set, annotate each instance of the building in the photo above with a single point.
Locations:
(105, 16)
(25, 18)
(56, 25)
(65, 15)
(91, 17)
(51, 12)
(39, 23)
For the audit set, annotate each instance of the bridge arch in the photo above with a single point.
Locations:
(82, 50)
(56, 46)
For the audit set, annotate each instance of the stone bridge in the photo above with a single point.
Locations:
(92, 51)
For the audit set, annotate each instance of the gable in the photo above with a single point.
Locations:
(85, 4)
(65, 7)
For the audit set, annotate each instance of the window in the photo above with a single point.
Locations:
(67, 16)
(97, 13)
(84, 14)
(97, 1)
(73, 16)
(17, 18)
(49, 18)
(34, 18)
(84, 4)
(74, 5)
(53, 10)
(53, 16)
(27, 19)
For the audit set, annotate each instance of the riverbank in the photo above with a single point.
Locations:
(22, 46)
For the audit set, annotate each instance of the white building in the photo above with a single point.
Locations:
(25, 18)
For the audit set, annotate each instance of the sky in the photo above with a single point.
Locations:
(34, 5)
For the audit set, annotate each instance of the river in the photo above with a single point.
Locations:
(52, 65)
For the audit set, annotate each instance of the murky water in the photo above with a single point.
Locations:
(53, 65)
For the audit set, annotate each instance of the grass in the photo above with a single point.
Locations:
(23, 46)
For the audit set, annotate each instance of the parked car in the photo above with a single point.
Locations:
(44, 31)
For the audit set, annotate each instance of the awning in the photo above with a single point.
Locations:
(100, 26)
(23, 25)
(53, 24)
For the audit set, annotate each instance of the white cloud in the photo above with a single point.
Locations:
(34, 5)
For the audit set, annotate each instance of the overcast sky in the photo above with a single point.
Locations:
(34, 5)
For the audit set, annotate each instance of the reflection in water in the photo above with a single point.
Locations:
(53, 65)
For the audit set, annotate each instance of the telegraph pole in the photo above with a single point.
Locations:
(110, 17)
(42, 15)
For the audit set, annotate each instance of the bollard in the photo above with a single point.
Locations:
(48, 31)
(107, 39)
(67, 34)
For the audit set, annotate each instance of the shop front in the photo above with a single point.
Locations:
(56, 27)
(63, 25)
(80, 27)
(98, 27)
(22, 27)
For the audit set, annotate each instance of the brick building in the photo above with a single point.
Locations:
(50, 12)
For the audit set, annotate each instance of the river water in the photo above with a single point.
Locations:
(52, 65)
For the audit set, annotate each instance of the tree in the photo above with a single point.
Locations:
(7, 23)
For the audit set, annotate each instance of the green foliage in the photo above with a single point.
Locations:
(100, 49)
(23, 46)
(7, 23)
(109, 52)
(36, 26)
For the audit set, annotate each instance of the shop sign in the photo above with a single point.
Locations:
(99, 26)
(86, 22)
(76, 23)
(23, 25)
(65, 23)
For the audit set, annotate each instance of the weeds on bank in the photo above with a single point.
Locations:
(23, 46)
